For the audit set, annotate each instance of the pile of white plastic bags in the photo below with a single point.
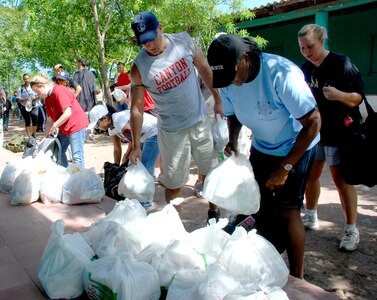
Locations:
(31, 179)
(130, 254)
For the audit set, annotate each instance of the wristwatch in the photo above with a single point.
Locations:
(287, 166)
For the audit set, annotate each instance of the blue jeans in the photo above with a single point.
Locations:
(149, 153)
(6, 118)
(76, 140)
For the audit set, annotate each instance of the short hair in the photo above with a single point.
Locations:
(120, 63)
(317, 30)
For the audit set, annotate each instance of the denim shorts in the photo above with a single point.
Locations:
(329, 154)
(291, 195)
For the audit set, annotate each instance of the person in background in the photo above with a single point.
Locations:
(70, 83)
(87, 96)
(105, 117)
(16, 106)
(85, 78)
(166, 67)
(124, 83)
(29, 109)
(65, 118)
(268, 94)
(6, 107)
(337, 86)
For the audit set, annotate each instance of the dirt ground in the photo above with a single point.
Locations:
(349, 275)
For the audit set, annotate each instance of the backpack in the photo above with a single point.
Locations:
(34, 146)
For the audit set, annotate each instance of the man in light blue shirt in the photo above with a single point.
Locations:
(268, 94)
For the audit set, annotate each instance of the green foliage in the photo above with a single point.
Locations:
(40, 33)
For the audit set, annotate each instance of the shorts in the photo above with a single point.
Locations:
(291, 195)
(329, 154)
(179, 148)
(269, 222)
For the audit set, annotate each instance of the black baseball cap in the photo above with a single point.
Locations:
(145, 26)
(82, 61)
(224, 54)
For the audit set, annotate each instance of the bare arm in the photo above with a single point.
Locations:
(67, 112)
(205, 72)
(311, 126)
(78, 90)
(117, 149)
(350, 99)
(137, 111)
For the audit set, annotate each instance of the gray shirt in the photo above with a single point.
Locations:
(171, 80)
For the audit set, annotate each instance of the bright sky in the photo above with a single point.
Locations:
(253, 3)
(258, 3)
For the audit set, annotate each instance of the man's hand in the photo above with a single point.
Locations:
(277, 179)
(229, 148)
(135, 153)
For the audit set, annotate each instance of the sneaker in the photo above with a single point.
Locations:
(213, 214)
(198, 188)
(310, 222)
(349, 240)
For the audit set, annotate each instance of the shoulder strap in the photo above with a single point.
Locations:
(369, 108)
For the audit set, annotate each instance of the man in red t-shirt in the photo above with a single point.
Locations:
(124, 83)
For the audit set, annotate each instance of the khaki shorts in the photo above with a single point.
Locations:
(178, 148)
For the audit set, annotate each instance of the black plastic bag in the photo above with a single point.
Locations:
(113, 173)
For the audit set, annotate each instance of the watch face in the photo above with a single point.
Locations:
(287, 166)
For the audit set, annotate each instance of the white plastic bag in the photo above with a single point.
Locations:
(123, 212)
(252, 259)
(11, 171)
(26, 188)
(247, 292)
(119, 95)
(237, 193)
(213, 283)
(220, 133)
(137, 183)
(83, 187)
(210, 240)
(178, 256)
(111, 239)
(62, 263)
(52, 184)
(121, 277)
(163, 226)
(131, 216)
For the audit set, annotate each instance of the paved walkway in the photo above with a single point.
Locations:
(24, 231)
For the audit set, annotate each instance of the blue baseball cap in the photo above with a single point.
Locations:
(64, 75)
(145, 26)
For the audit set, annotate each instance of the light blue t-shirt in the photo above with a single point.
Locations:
(171, 80)
(271, 105)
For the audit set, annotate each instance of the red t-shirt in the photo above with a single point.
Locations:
(61, 98)
(124, 79)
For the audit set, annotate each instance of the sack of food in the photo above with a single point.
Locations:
(239, 194)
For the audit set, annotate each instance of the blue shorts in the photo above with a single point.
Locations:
(329, 154)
